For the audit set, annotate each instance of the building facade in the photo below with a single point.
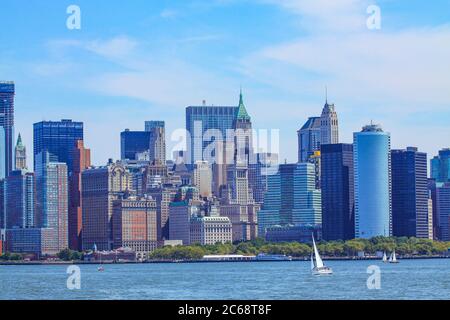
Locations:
(81, 161)
(19, 200)
(372, 180)
(58, 138)
(7, 93)
(135, 225)
(292, 198)
(338, 209)
(440, 166)
(52, 199)
(443, 210)
(157, 150)
(20, 154)
(329, 125)
(99, 188)
(202, 178)
(410, 216)
(210, 230)
(309, 139)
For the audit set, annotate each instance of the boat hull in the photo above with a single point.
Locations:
(322, 271)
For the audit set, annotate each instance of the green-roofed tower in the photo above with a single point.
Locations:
(241, 113)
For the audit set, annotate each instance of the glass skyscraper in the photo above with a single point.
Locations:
(338, 219)
(7, 92)
(410, 194)
(134, 142)
(309, 139)
(372, 179)
(292, 198)
(440, 166)
(20, 199)
(58, 138)
(200, 119)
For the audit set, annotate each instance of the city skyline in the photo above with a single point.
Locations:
(98, 75)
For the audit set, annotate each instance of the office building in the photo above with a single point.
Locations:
(7, 92)
(20, 200)
(329, 125)
(338, 220)
(210, 230)
(100, 186)
(135, 225)
(133, 143)
(440, 166)
(443, 210)
(292, 198)
(258, 172)
(52, 199)
(20, 153)
(410, 194)
(58, 138)
(372, 180)
(309, 139)
(157, 151)
(202, 178)
(81, 161)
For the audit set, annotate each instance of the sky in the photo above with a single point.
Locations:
(149, 59)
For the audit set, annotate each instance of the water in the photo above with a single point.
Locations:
(410, 279)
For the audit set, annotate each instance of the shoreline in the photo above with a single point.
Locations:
(53, 263)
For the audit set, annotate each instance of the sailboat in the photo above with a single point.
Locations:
(384, 257)
(393, 258)
(317, 266)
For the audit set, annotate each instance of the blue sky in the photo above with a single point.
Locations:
(148, 60)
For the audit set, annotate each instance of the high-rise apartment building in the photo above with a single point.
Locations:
(99, 188)
(443, 210)
(338, 219)
(20, 154)
(410, 194)
(372, 179)
(7, 92)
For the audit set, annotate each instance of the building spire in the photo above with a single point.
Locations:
(326, 95)
(19, 141)
(241, 111)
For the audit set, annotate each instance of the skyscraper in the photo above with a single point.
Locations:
(20, 200)
(329, 125)
(133, 143)
(134, 222)
(206, 125)
(409, 194)
(58, 138)
(243, 139)
(202, 178)
(372, 179)
(338, 219)
(100, 187)
(440, 166)
(443, 210)
(309, 139)
(81, 161)
(52, 199)
(20, 153)
(7, 92)
(157, 150)
(292, 198)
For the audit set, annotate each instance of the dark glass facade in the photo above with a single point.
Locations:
(134, 142)
(409, 193)
(7, 91)
(58, 138)
(338, 212)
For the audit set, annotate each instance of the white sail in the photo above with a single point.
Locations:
(394, 258)
(384, 257)
(319, 262)
(312, 263)
(390, 258)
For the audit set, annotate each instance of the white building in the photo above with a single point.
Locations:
(210, 230)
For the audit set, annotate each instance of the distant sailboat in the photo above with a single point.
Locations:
(393, 258)
(317, 266)
(384, 257)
